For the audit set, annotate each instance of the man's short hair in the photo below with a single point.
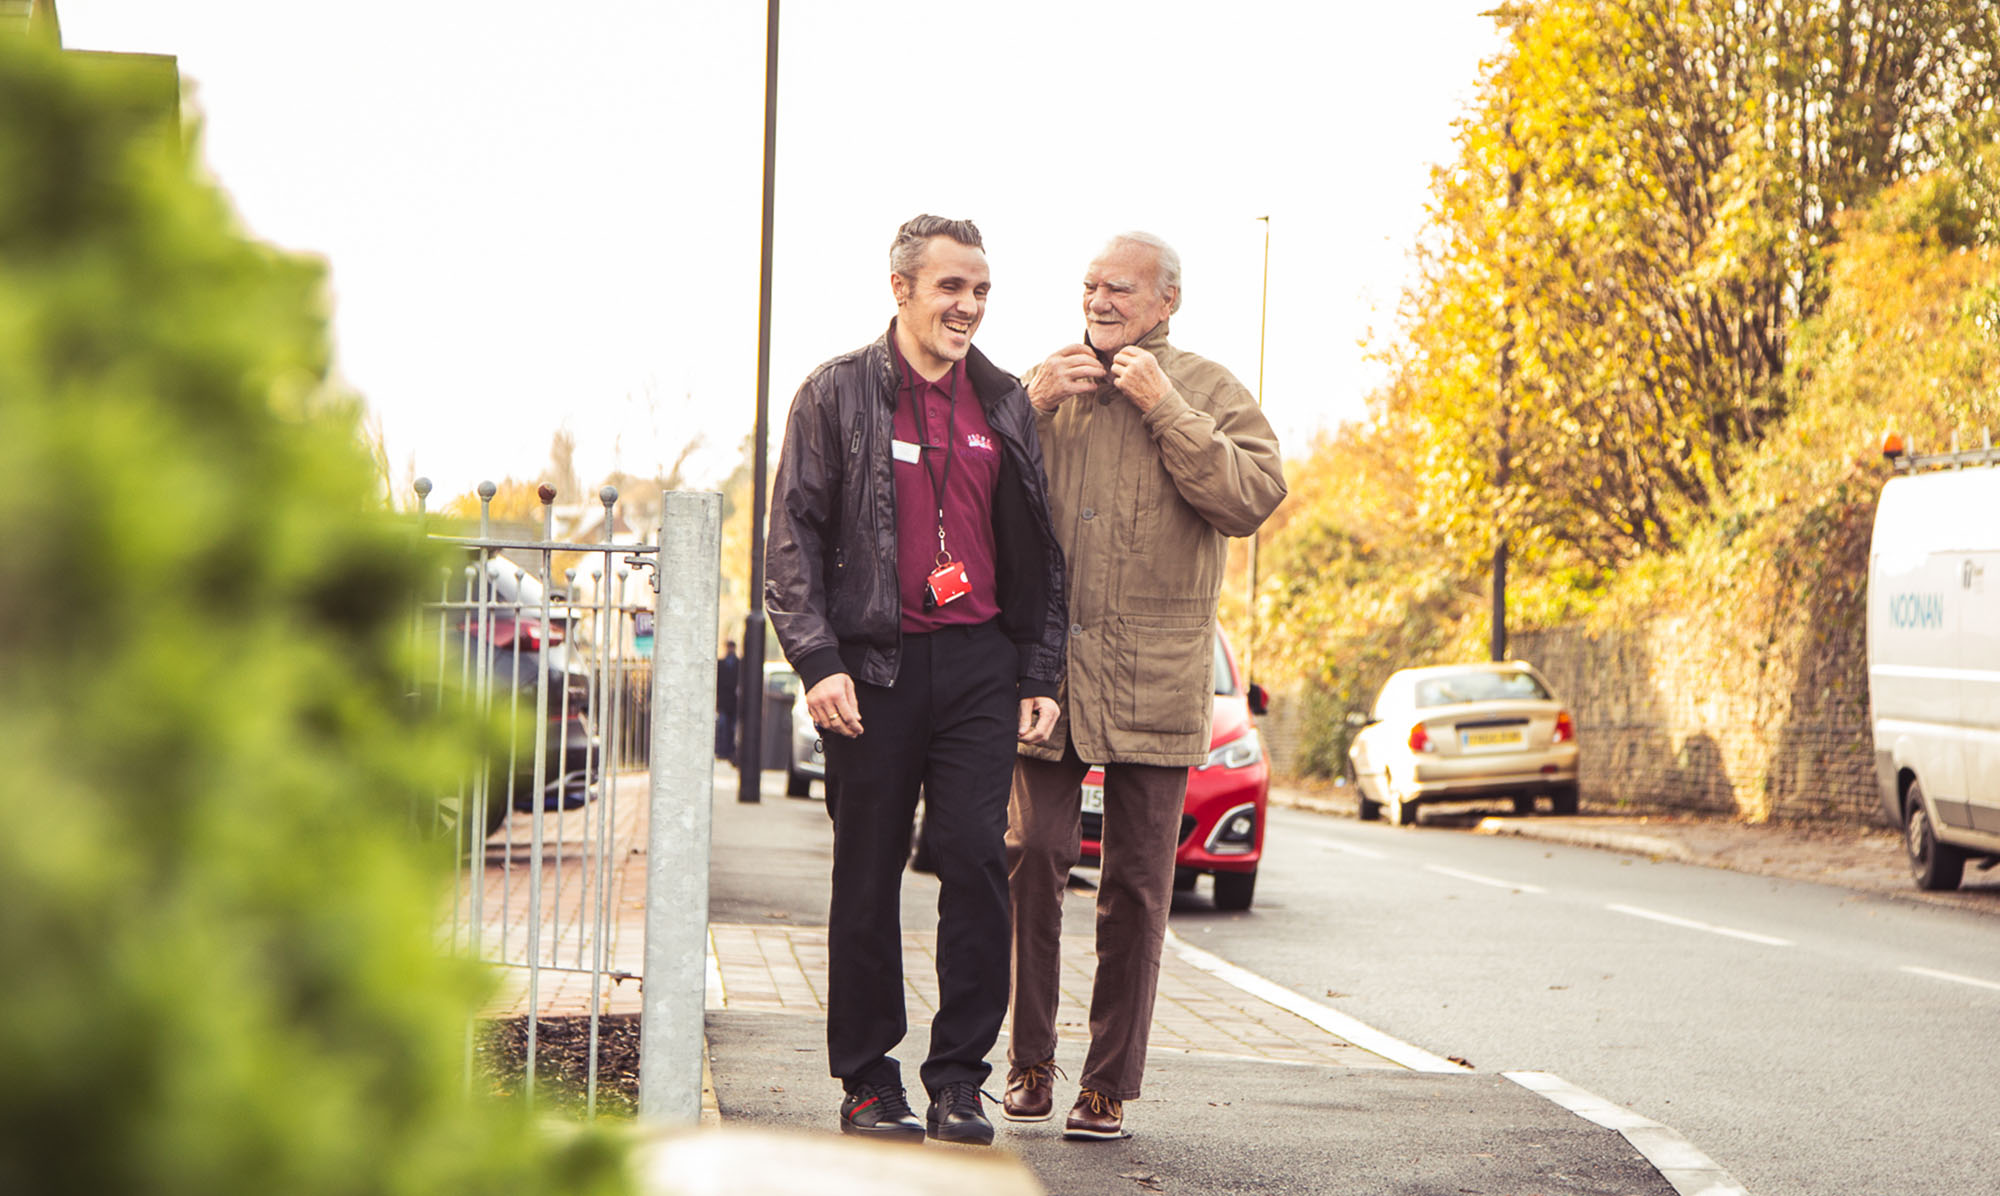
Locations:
(906, 252)
(1170, 261)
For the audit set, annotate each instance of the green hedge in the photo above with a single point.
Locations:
(220, 973)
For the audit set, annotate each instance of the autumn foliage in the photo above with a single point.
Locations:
(1689, 259)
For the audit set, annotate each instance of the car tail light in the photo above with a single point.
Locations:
(507, 629)
(1565, 729)
(531, 634)
(1420, 739)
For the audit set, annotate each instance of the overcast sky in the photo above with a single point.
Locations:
(542, 216)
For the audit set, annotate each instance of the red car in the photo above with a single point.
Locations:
(1222, 823)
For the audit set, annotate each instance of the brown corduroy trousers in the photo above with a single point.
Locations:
(1142, 818)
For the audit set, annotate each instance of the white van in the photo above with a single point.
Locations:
(1934, 657)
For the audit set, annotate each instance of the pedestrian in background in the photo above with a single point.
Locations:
(1154, 456)
(914, 581)
(728, 681)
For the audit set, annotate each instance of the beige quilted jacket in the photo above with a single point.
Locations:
(1142, 504)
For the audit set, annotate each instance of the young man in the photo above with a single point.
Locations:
(915, 583)
(1154, 456)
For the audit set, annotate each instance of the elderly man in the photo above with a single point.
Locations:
(915, 582)
(1154, 457)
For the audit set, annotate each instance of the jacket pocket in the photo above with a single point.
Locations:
(1166, 671)
(1142, 486)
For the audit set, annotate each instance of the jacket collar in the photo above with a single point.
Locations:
(1153, 342)
(989, 381)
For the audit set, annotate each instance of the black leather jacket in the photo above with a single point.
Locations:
(830, 565)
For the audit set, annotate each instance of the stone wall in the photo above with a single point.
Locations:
(1704, 714)
(1283, 727)
(1689, 714)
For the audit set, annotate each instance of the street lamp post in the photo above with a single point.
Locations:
(1263, 311)
(750, 698)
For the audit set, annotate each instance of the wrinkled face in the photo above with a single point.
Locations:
(937, 314)
(1122, 298)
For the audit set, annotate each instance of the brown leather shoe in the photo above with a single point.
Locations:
(1031, 1092)
(1096, 1117)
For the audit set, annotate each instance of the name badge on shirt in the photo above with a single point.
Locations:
(904, 451)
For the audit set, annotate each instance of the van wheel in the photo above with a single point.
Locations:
(798, 784)
(1563, 800)
(1933, 865)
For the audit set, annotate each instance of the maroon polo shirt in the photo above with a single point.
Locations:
(944, 417)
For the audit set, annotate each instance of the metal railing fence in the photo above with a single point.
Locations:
(558, 671)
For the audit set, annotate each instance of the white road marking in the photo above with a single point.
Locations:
(1367, 1037)
(1349, 849)
(1691, 1172)
(1954, 977)
(1477, 879)
(1678, 1161)
(1691, 924)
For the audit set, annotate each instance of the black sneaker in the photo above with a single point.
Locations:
(956, 1116)
(879, 1111)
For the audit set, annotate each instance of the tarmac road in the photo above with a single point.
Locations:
(1812, 1037)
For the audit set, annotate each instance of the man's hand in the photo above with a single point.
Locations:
(1038, 718)
(1070, 371)
(832, 706)
(1138, 376)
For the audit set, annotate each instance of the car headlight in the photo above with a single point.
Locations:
(1241, 752)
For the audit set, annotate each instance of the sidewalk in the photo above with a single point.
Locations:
(1244, 1092)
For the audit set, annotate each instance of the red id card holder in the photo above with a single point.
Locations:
(947, 583)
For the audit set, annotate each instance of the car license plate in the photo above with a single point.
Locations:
(1491, 739)
(1093, 799)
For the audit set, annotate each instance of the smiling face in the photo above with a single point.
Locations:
(937, 313)
(1122, 296)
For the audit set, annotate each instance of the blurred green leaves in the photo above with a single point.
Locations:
(221, 973)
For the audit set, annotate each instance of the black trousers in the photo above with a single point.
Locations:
(946, 727)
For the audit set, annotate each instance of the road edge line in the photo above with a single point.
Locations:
(1678, 1160)
(1367, 1037)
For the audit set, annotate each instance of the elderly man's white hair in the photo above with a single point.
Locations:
(1170, 262)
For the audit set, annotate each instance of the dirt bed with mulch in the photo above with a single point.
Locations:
(562, 1062)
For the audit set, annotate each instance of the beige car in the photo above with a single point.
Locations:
(1461, 733)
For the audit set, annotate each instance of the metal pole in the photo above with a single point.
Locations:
(547, 494)
(683, 774)
(1263, 310)
(1503, 466)
(750, 673)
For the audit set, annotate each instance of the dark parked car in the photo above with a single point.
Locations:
(517, 656)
